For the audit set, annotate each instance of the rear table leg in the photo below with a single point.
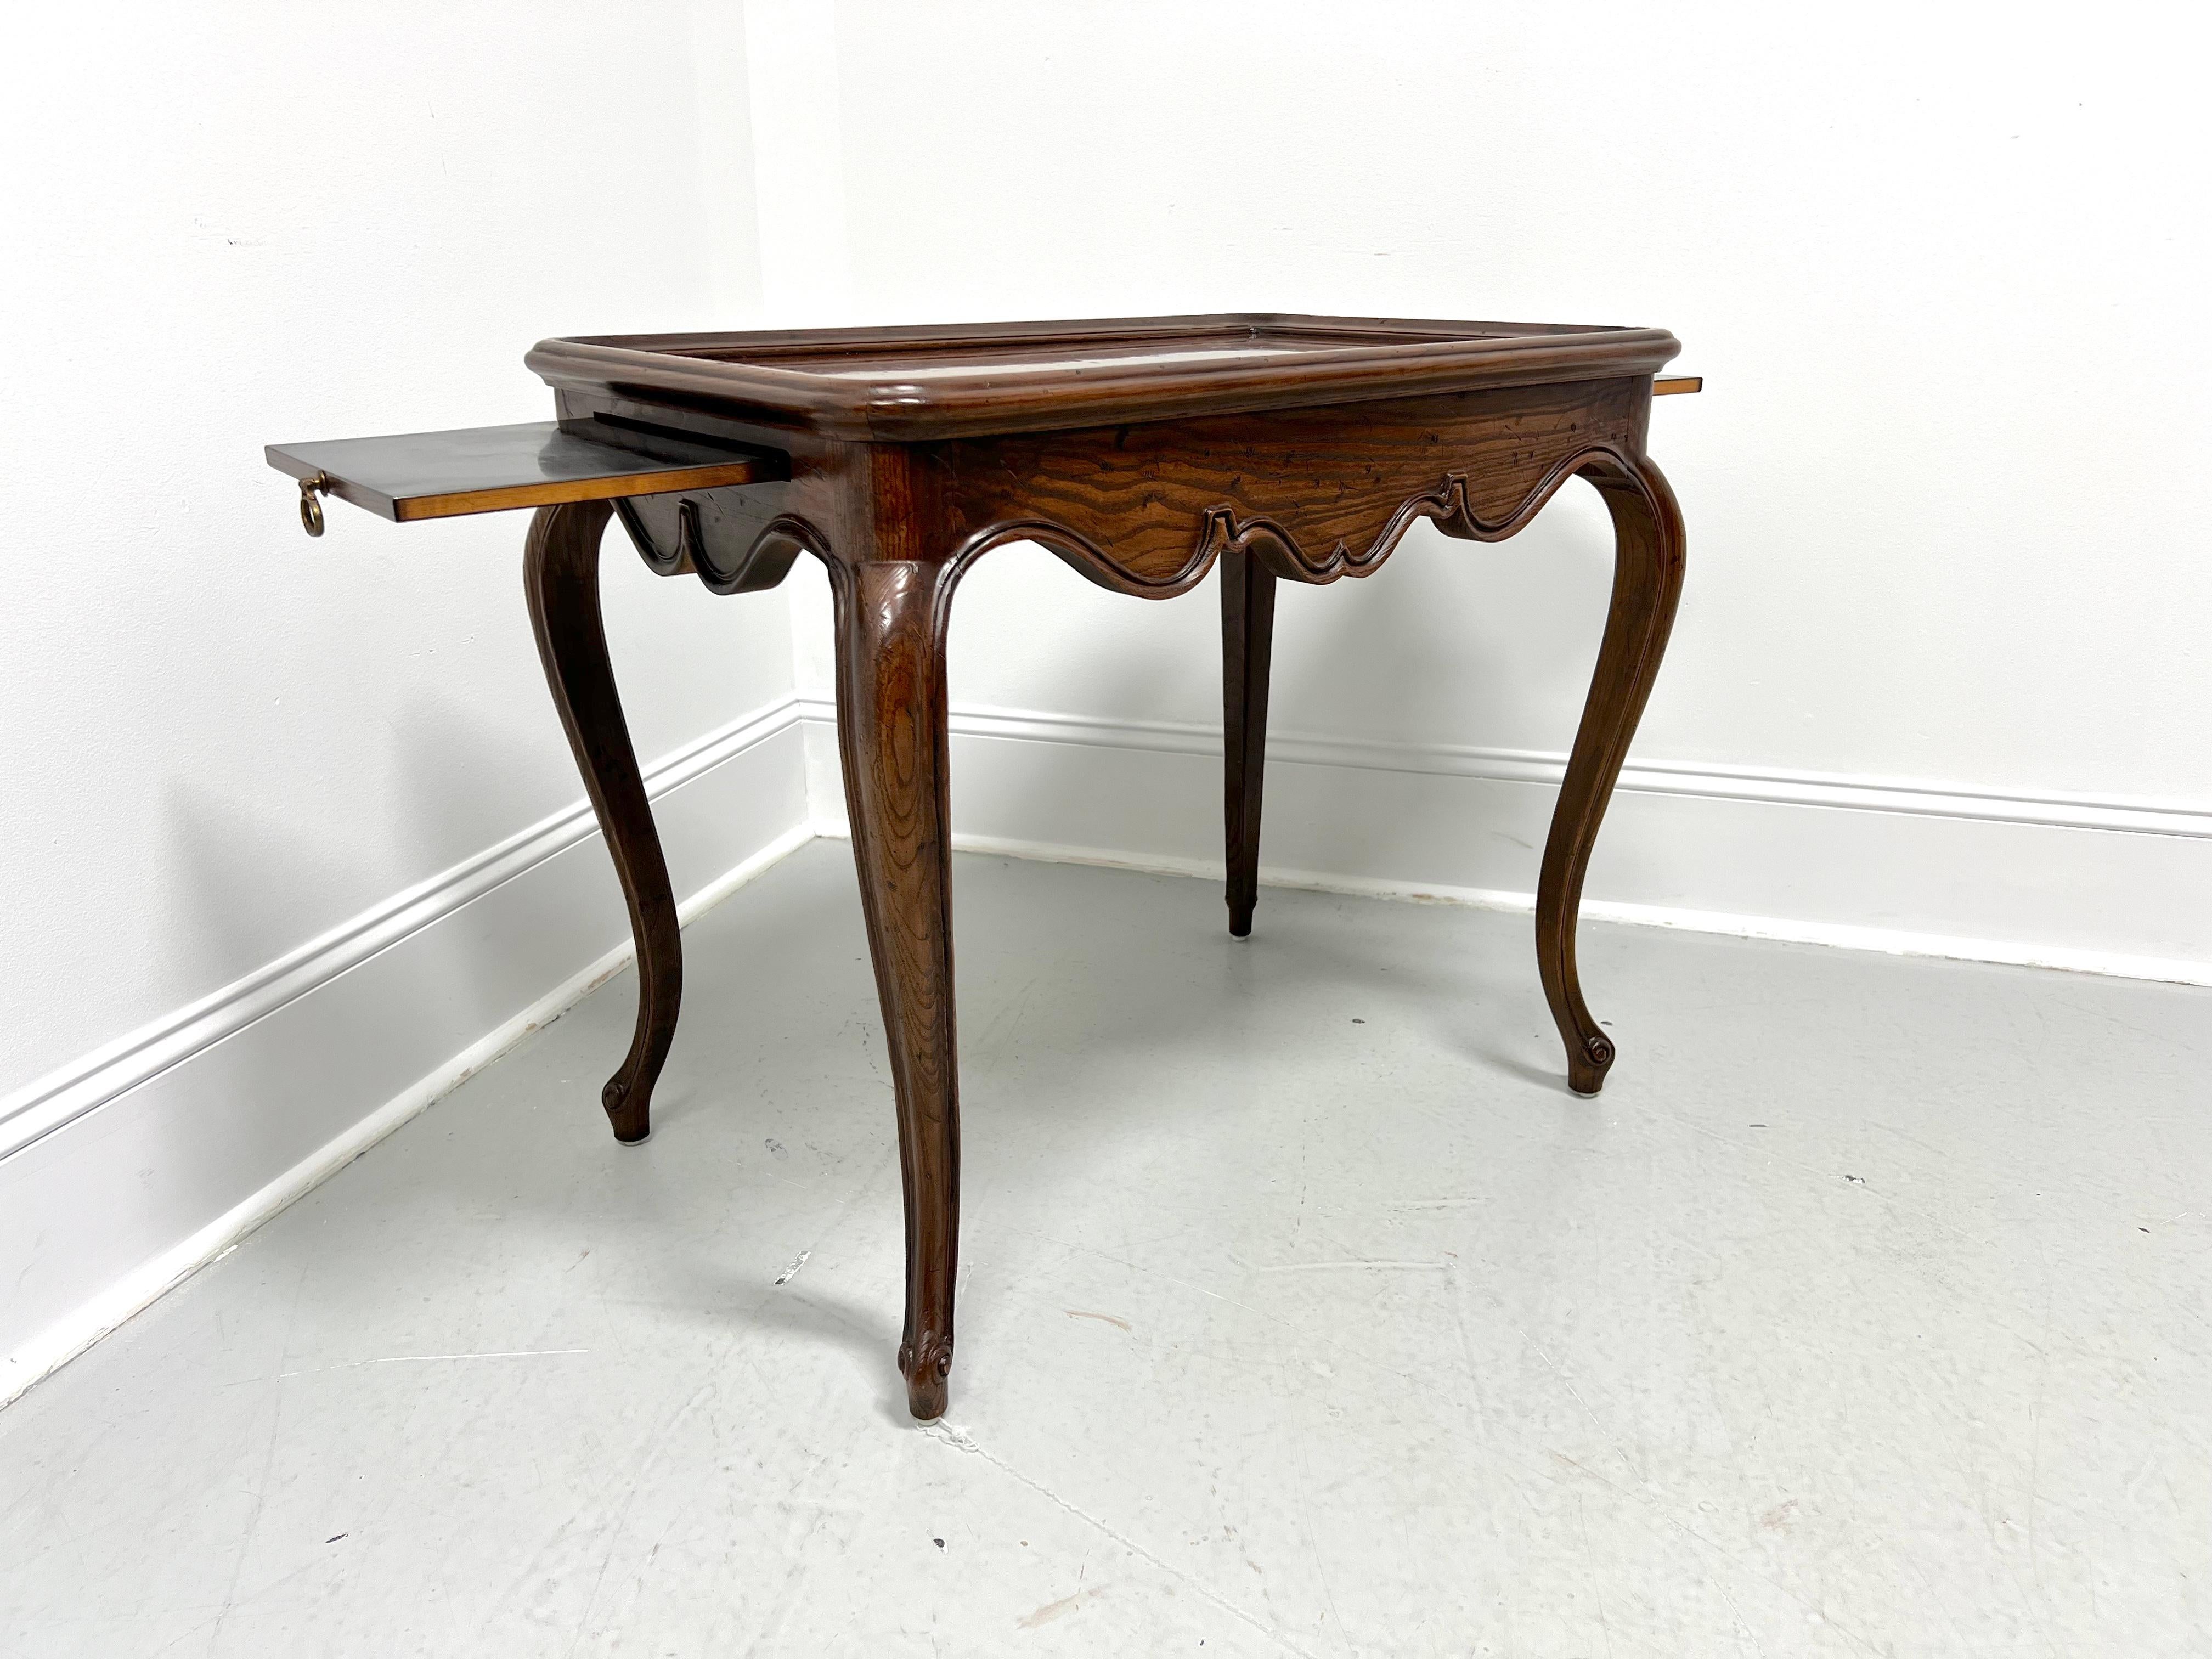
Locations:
(1248, 628)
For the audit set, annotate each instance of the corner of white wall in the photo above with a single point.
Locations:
(2104, 883)
(123, 1168)
(278, 1081)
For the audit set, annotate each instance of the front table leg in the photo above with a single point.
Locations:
(1647, 581)
(891, 735)
(561, 575)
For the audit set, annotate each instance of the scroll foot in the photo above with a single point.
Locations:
(891, 732)
(561, 575)
(1647, 584)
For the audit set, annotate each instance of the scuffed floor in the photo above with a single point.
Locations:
(1302, 1311)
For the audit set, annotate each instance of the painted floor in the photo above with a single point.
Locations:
(1302, 1311)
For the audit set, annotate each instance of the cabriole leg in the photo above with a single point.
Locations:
(1647, 581)
(561, 573)
(1248, 628)
(891, 735)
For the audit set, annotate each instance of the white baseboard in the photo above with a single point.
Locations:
(1886, 940)
(283, 1078)
(2092, 884)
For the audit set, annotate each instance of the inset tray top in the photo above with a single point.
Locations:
(901, 384)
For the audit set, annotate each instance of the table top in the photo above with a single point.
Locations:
(917, 383)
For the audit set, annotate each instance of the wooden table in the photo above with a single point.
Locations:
(1141, 451)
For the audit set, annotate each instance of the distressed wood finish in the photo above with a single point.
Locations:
(1144, 452)
(561, 578)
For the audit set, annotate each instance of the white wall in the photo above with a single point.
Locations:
(222, 743)
(292, 836)
(1944, 489)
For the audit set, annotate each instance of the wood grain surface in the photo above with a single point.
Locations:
(908, 383)
(1319, 480)
(892, 740)
(561, 579)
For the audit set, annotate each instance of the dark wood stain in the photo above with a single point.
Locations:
(1144, 452)
(1248, 632)
(561, 579)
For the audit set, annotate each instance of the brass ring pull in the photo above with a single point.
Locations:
(310, 509)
